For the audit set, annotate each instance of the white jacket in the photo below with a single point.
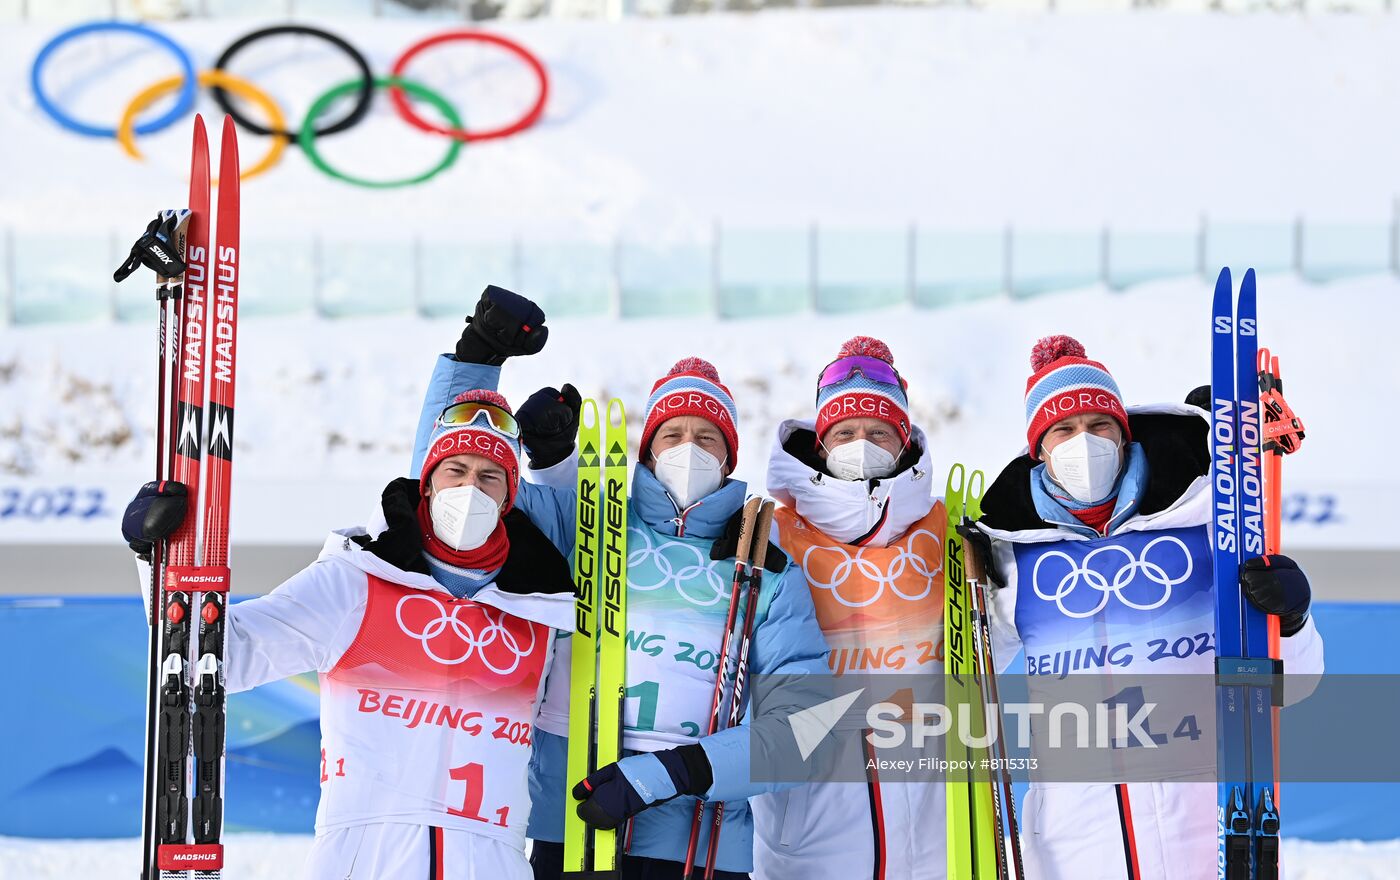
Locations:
(880, 606)
(1150, 593)
(427, 702)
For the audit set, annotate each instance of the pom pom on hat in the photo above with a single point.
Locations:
(483, 395)
(867, 346)
(696, 367)
(1051, 348)
(1064, 383)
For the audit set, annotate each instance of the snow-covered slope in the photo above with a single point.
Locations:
(326, 409)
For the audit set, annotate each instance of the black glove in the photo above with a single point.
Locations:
(154, 515)
(726, 546)
(549, 424)
(504, 324)
(980, 542)
(1199, 397)
(155, 249)
(613, 794)
(1275, 584)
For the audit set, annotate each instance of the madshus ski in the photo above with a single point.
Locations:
(182, 821)
(1247, 820)
(597, 672)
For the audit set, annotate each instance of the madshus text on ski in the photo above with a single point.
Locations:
(567, 660)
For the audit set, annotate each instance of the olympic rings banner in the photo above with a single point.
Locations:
(406, 95)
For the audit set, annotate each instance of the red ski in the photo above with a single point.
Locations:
(185, 735)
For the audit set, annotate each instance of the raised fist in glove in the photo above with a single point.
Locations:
(504, 325)
(154, 515)
(549, 424)
(1276, 585)
(613, 794)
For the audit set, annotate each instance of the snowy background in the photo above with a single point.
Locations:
(1203, 139)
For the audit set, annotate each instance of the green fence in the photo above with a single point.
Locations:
(730, 272)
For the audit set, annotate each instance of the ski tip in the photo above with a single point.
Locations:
(617, 416)
(1222, 281)
(1248, 278)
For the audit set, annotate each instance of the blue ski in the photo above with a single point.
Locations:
(1246, 820)
(1232, 789)
(1250, 485)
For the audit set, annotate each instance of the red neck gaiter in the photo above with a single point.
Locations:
(1097, 517)
(490, 556)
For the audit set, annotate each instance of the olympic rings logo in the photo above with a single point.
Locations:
(1127, 573)
(700, 574)
(869, 570)
(401, 89)
(473, 643)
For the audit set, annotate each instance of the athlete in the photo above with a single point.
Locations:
(431, 629)
(1100, 536)
(682, 528)
(858, 517)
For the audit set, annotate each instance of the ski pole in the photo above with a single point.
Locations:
(741, 574)
(977, 577)
(759, 555)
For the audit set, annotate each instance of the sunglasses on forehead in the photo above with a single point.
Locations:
(470, 411)
(871, 368)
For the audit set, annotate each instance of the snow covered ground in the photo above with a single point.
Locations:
(326, 409)
(278, 857)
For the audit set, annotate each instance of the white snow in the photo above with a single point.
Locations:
(327, 409)
(279, 856)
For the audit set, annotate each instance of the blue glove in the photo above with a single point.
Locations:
(1276, 585)
(154, 515)
(613, 794)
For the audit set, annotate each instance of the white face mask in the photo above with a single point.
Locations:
(859, 460)
(464, 516)
(1086, 466)
(689, 473)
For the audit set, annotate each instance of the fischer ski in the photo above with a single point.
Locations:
(597, 673)
(972, 848)
(1246, 675)
(186, 716)
(1003, 803)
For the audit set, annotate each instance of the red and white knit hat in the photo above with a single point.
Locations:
(859, 396)
(1063, 383)
(692, 388)
(478, 438)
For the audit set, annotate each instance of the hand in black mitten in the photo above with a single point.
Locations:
(726, 546)
(1275, 584)
(1199, 397)
(504, 324)
(980, 542)
(154, 515)
(613, 794)
(549, 424)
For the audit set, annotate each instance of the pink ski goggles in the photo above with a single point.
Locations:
(871, 368)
